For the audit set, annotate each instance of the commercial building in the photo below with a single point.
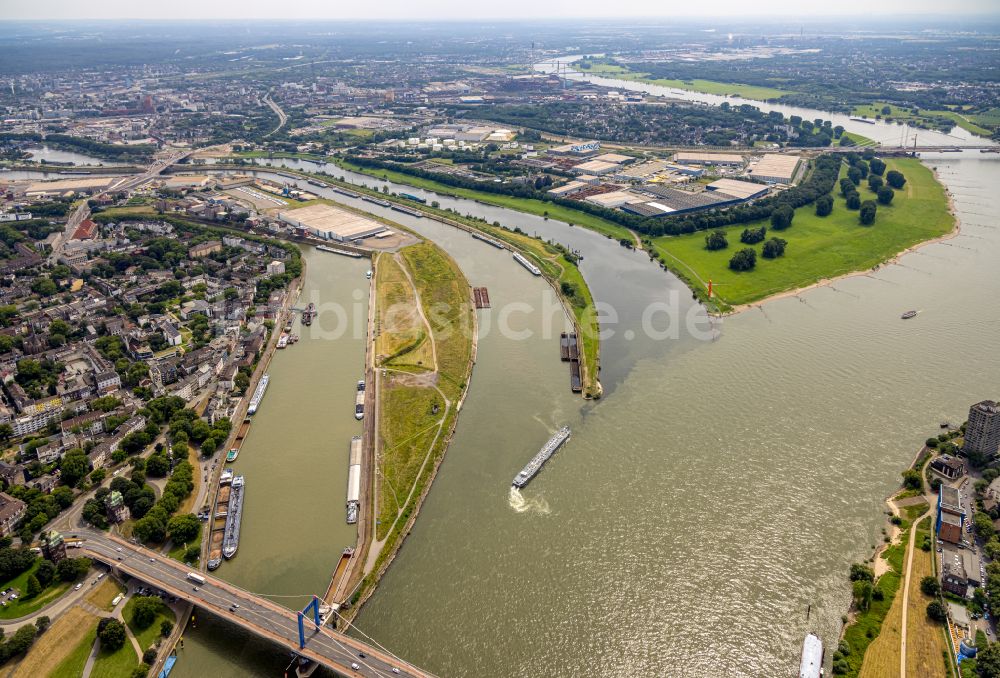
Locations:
(982, 433)
(582, 148)
(595, 167)
(665, 200)
(951, 515)
(616, 158)
(331, 223)
(775, 169)
(960, 571)
(91, 184)
(721, 159)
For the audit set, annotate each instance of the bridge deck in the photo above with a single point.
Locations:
(258, 615)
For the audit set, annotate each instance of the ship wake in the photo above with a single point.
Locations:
(520, 504)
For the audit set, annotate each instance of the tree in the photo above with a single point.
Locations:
(875, 182)
(854, 174)
(912, 479)
(34, 587)
(45, 572)
(867, 214)
(208, 446)
(781, 217)
(937, 611)
(895, 179)
(984, 525)
(71, 569)
(42, 623)
(744, 260)
(183, 528)
(824, 205)
(774, 248)
(148, 658)
(876, 166)
(157, 466)
(861, 572)
(73, 467)
(853, 201)
(862, 591)
(716, 240)
(752, 236)
(112, 634)
(930, 586)
(166, 628)
(144, 610)
(885, 195)
(988, 661)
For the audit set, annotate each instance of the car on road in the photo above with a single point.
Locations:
(394, 669)
(354, 665)
(78, 587)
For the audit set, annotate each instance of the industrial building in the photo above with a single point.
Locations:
(331, 223)
(744, 190)
(664, 200)
(595, 167)
(775, 168)
(91, 184)
(583, 148)
(722, 159)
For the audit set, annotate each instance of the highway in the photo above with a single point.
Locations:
(258, 615)
(282, 117)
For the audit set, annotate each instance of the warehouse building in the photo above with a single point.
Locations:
(719, 159)
(664, 200)
(744, 190)
(775, 168)
(595, 167)
(92, 184)
(331, 223)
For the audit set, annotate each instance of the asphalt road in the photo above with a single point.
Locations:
(263, 617)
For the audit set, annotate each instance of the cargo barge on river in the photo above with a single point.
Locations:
(231, 535)
(258, 394)
(354, 480)
(520, 258)
(535, 465)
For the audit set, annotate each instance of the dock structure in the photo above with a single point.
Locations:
(481, 297)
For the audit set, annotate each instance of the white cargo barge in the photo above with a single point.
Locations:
(519, 258)
(258, 394)
(489, 241)
(535, 465)
(354, 481)
(811, 665)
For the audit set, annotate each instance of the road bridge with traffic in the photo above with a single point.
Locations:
(247, 610)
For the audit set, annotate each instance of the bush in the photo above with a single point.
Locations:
(885, 195)
(166, 628)
(824, 206)
(930, 586)
(876, 166)
(895, 179)
(912, 479)
(875, 182)
(149, 657)
(853, 201)
(744, 260)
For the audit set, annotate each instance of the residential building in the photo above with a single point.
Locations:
(11, 512)
(951, 515)
(982, 433)
(204, 249)
(948, 466)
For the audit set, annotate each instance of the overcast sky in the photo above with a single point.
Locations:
(464, 9)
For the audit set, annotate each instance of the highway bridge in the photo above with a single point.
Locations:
(258, 615)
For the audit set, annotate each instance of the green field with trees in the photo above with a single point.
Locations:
(817, 247)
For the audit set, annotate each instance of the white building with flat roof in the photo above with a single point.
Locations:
(775, 168)
(331, 223)
(728, 159)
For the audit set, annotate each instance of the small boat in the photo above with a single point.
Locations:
(283, 341)
(232, 454)
(908, 315)
(945, 424)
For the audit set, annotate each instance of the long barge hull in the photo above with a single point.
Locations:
(258, 394)
(231, 537)
(519, 258)
(489, 241)
(535, 465)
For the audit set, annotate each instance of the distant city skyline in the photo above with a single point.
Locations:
(453, 10)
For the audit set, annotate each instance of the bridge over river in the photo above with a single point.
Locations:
(255, 614)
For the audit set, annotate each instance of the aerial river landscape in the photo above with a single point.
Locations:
(724, 483)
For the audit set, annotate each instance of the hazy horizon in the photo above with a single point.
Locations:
(450, 10)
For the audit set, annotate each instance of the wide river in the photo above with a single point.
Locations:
(724, 484)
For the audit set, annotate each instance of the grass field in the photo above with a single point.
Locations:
(102, 595)
(25, 606)
(417, 410)
(402, 341)
(819, 248)
(63, 650)
(118, 664)
(924, 118)
(859, 140)
(925, 643)
(697, 85)
(148, 635)
(529, 205)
